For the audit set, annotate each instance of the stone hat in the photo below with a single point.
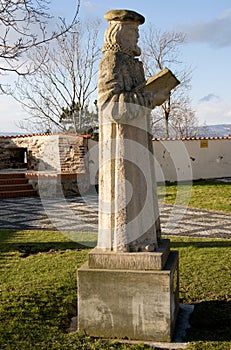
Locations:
(124, 16)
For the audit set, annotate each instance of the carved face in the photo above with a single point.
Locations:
(125, 35)
(129, 36)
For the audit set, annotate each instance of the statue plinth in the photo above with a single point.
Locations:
(100, 259)
(126, 300)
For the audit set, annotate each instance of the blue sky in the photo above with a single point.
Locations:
(207, 25)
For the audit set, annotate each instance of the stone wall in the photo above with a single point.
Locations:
(46, 159)
(73, 153)
(93, 161)
(41, 152)
(60, 152)
(58, 185)
(9, 154)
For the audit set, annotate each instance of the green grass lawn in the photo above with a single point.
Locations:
(39, 291)
(204, 194)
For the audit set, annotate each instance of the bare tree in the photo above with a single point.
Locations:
(184, 123)
(159, 50)
(57, 95)
(23, 25)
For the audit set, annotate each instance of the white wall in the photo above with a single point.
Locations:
(178, 160)
(181, 160)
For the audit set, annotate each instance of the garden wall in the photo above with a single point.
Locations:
(187, 159)
(64, 153)
(52, 163)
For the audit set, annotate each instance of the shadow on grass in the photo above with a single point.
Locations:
(200, 182)
(210, 321)
(211, 182)
(13, 243)
(166, 195)
(16, 240)
(25, 249)
(5, 234)
(202, 244)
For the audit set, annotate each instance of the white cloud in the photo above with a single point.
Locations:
(228, 114)
(225, 14)
(214, 112)
(89, 9)
(209, 97)
(88, 4)
(216, 32)
(10, 114)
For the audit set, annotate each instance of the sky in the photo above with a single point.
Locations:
(207, 25)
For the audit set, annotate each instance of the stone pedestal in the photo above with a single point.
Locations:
(135, 297)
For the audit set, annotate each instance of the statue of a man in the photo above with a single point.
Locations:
(128, 208)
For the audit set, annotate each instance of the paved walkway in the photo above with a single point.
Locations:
(80, 215)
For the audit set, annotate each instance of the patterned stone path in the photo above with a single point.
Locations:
(75, 214)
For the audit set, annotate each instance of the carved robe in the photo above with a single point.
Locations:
(128, 209)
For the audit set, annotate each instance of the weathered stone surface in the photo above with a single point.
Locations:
(59, 152)
(128, 209)
(99, 259)
(58, 185)
(42, 151)
(129, 304)
(129, 287)
(124, 16)
(56, 165)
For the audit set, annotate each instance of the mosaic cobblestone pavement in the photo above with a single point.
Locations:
(77, 214)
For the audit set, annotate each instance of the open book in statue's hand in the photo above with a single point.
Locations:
(159, 97)
(165, 80)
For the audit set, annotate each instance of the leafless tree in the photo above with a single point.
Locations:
(184, 123)
(160, 49)
(24, 24)
(57, 95)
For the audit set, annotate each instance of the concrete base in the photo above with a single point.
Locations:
(131, 304)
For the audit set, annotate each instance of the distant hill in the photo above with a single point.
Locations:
(219, 130)
(2, 133)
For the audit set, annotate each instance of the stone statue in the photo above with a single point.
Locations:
(128, 288)
(128, 207)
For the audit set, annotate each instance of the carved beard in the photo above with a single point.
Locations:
(129, 44)
(136, 50)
